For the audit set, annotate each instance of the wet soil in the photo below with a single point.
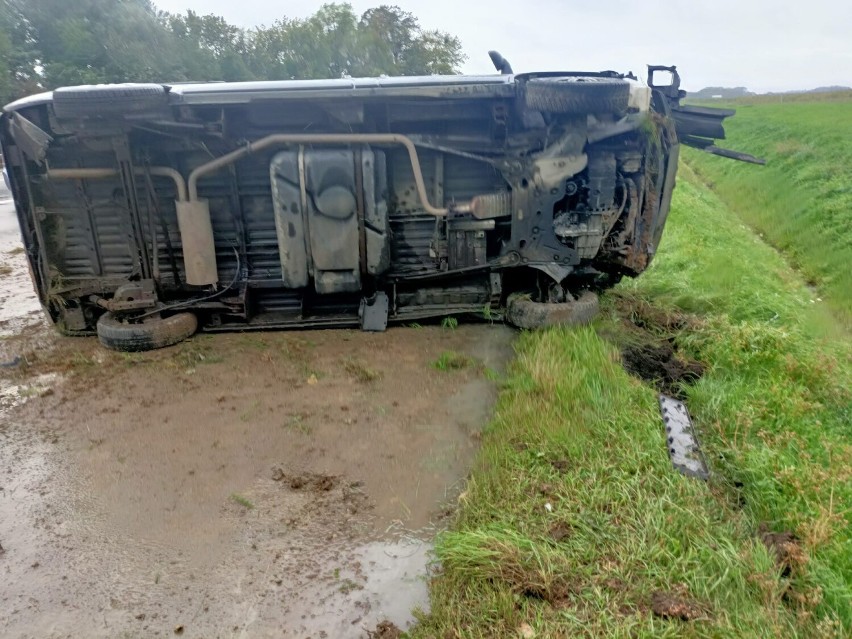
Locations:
(385, 630)
(659, 364)
(237, 485)
(651, 353)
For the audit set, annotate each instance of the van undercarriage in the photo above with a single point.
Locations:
(150, 210)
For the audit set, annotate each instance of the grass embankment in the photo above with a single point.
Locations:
(801, 201)
(574, 522)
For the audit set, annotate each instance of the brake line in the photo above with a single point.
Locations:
(206, 298)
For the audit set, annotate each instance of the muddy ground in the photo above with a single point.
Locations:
(239, 485)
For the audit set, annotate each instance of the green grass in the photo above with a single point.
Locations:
(573, 431)
(453, 361)
(242, 501)
(450, 323)
(801, 201)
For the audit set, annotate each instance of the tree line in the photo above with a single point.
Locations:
(49, 43)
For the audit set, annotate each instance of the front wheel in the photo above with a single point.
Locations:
(154, 332)
(525, 313)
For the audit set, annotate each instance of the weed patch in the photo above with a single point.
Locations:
(361, 372)
(450, 323)
(531, 570)
(298, 423)
(191, 354)
(453, 361)
(242, 501)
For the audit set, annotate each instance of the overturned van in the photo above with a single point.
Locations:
(149, 211)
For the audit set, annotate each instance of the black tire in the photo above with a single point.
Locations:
(522, 312)
(577, 95)
(154, 332)
(109, 100)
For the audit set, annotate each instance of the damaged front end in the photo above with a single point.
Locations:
(343, 202)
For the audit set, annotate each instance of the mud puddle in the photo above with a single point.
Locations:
(242, 485)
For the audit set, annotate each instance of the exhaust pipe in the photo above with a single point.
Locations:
(196, 230)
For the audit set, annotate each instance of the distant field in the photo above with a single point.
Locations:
(574, 523)
(801, 201)
(779, 98)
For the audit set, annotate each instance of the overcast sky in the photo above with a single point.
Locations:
(765, 45)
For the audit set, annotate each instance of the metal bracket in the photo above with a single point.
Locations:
(681, 440)
(133, 296)
(373, 312)
(30, 139)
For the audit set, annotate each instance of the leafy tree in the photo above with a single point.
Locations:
(394, 44)
(18, 74)
(434, 52)
(50, 43)
(209, 47)
(335, 42)
(91, 41)
(389, 34)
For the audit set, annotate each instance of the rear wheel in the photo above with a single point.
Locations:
(525, 313)
(154, 332)
(577, 95)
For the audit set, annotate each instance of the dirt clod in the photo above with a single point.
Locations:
(545, 489)
(560, 531)
(616, 585)
(660, 365)
(670, 605)
(526, 631)
(556, 592)
(385, 630)
(306, 481)
(561, 465)
(785, 546)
